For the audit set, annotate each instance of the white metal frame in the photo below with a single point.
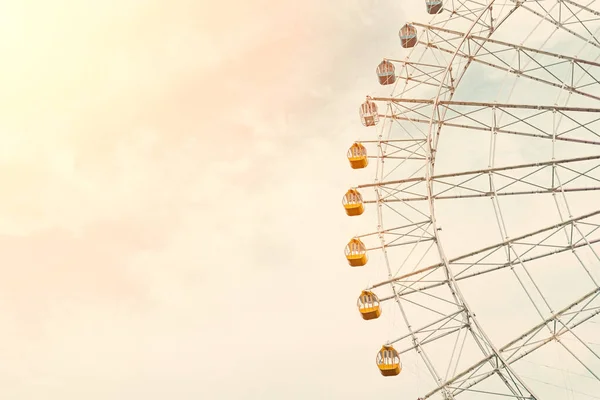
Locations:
(450, 53)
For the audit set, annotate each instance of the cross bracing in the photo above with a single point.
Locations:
(428, 108)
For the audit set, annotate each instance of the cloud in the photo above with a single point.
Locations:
(171, 217)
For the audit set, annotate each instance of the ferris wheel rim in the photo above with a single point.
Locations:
(430, 172)
(431, 142)
(431, 200)
(503, 226)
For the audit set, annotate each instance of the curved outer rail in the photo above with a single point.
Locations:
(433, 135)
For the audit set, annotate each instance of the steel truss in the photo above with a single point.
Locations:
(420, 110)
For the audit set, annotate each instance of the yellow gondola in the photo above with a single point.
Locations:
(356, 253)
(368, 305)
(388, 361)
(353, 203)
(357, 155)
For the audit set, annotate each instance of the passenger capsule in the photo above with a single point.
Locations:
(368, 305)
(353, 203)
(386, 72)
(388, 361)
(408, 36)
(356, 253)
(357, 155)
(368, 113)
(434, 6)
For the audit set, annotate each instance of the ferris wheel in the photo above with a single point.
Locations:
(483, 220)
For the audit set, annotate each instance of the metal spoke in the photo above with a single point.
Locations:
(427, 102)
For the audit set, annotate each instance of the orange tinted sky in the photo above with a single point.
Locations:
(164, 167)
(170, 219)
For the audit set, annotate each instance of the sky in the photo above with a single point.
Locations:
(170, 214)
(171, 221)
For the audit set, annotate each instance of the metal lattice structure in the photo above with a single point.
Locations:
(485, 206)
